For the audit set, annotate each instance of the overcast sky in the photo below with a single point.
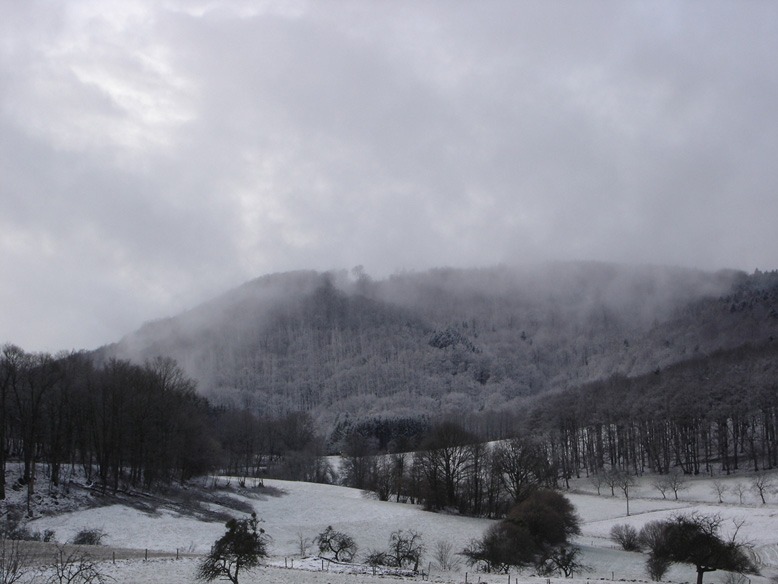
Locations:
(154, 154)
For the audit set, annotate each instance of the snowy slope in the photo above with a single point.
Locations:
(304, 508)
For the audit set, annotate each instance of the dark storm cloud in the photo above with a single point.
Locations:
(153, 154)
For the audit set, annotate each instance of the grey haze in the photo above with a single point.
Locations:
(154, 154)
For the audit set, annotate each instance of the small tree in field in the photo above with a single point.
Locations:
(406, 549)
(674, 481)
(626, 482)
(341, 545)
(240, 548)
(719, 488)
(445, 557)
(761, 484)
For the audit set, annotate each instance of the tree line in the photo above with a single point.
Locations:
(711, 414)
(122, 425)
(452, 469)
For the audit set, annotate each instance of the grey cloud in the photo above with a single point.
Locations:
(154, 154)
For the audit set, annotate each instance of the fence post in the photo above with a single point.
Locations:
(114, 557)
(179, 558)
(146, 557)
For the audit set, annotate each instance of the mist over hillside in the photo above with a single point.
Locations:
(451, 341)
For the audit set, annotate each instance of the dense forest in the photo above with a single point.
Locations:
(451, 341)
(579, 370)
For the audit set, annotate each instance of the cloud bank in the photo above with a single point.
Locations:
(155, 153)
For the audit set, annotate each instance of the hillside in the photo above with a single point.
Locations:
(452, 341)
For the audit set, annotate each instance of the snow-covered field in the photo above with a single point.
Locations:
(296, 510)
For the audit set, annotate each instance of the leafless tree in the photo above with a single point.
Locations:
(597, 481)
(75, 567)
(740, 489)
(611, 478)
(674, 481)
(761, 484)
(626, 482)
(719, 488)
(14, 561)
(341, 545)
(445, 557)
(303, 543)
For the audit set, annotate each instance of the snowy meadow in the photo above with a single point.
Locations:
(293, 513)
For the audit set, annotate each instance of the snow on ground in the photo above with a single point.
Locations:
(291, 509)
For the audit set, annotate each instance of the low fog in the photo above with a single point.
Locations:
(154, 155)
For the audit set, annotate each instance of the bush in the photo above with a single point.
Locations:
(627, 537)
(89, 537)
(657, 567)
(534, 531)
(375, 558)
(650, 536)
(548, 516)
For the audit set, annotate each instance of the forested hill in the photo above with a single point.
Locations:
(452, 341)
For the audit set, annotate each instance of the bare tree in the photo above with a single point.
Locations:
(597, 481)
(719, 488)
(740, 489)
(522, 467)
(303, 543)
(677, 482)
(674, 481)
(14, 561)
(406, 549)
(564, 562)
(75, 567)
(611, 478)
(626, 482)
(445, 557)
(761, 484)
(660, 484)
(341, 545)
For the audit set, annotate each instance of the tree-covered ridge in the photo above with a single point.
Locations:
(452, 341)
